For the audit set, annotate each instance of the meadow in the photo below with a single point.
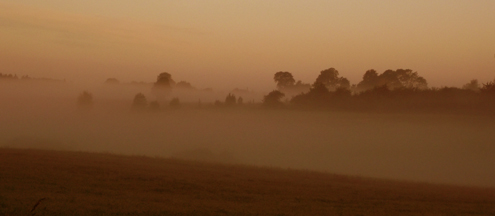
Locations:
(78, 183)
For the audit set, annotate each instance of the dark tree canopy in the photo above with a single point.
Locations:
(488, 88)
(370, 80)
(164, 80)
(163, 86)
(330, 79)
(400, 78)
(317, 95)
(273, 99)
(288, 85)
(473, 85)
(284, 79)
(410, 79)
(230, 100)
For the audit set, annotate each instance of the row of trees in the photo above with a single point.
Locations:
(401, 89)
(392, 90)
(14, 77)
(331, 79)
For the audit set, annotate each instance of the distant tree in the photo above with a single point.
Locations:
(402, 78)
(393, 79)
(240, 101)
(284, 80)
(410, 79)
(85, 100)
(230, 100)
(8, 76)
(163, 85)
(112, 81)
(331, 80)
(175, 102)
(473, 85)
(273, 99)
(139, 103)
(317, 95)
(488, 88)
(370, 80)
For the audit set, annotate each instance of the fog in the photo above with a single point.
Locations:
(438, 148)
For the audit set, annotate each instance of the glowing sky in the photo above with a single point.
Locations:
(227, 43)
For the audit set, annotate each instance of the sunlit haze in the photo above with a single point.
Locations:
(230, 107)
(228, 44)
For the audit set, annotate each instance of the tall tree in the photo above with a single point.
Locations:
(273, 99)
(330, 79)
(393, 79)
(163, 86)
(370, 80)
(284, 79)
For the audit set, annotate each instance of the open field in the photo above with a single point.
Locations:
(76, 183)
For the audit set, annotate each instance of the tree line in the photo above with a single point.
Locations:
(392, 90)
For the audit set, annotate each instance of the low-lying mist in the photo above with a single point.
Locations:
(438, 148)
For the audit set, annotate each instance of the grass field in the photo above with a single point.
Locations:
(76, 183)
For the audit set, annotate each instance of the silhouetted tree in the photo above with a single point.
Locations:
(473, 85)
(240, 101)
(410, 79)
(370, 80)
(318, 95)
(273, 99)
(284, 79)
(230, 100)
(287, 84)
(488, 88)
(85, 100)
(139, 103)
(163, 85)
(330, 79)
(400, 78)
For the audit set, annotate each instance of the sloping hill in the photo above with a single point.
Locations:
(75, 183)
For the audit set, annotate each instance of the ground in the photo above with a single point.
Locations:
(78, 183)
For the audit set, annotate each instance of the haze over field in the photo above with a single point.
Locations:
(230, 44)
(385, 123)
(442, 148)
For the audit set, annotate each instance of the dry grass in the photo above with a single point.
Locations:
(75, 183)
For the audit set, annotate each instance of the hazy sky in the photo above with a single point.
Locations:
(227, 43)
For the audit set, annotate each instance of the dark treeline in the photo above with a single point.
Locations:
(391, 91)
(401, 90)
(12, 77)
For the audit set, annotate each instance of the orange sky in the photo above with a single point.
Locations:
(227, 44)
